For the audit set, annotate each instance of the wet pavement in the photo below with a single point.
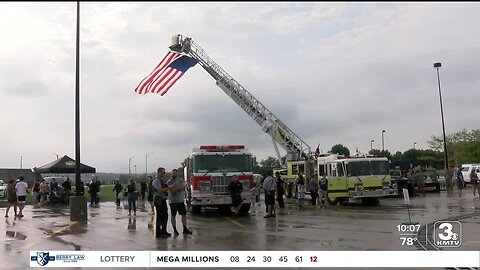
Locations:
(338, 228)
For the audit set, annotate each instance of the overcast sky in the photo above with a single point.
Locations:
(332, 72)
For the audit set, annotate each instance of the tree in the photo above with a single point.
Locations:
(340, 149)
(462, 146)
(270, 162)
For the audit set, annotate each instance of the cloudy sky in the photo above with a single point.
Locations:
(333, 72)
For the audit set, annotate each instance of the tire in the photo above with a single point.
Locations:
(245, 208)
(370, 201)
(332, 202)
(196, 209)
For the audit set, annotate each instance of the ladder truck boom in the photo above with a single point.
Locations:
(296, 148)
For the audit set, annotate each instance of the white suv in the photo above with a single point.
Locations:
(467, 169)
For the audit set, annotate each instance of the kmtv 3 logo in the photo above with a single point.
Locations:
(447, 234)
(42, 258)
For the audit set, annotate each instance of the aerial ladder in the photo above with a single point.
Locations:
(296, 148)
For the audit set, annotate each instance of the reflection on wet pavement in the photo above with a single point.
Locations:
(16, 235)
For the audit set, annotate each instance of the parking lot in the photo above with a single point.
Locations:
(339, 228)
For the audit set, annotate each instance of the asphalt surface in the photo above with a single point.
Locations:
(339, 228)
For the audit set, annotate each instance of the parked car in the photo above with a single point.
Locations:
(431, 186)
(467, 169)
(3, 187)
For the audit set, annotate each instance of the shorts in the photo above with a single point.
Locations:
(12, 200)
(460, 185)
(178, 207)
(270, 198)
(236, 200)
(21, 199)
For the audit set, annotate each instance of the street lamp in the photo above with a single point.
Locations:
(414, 144)
(371, 145)
(135, 166)
(21, 165)
(129, 170)
(383, 142)
(437, 66)
(146, 163)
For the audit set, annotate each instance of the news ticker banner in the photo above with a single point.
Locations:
(192, 259)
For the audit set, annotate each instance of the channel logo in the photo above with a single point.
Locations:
(42, 258)
(447, 234)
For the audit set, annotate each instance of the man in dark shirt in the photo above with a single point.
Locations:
(118, 188)
(160, 201)
(235, 188)
(280, 190)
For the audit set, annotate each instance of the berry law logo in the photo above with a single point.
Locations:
(447, 234)
(42, 258)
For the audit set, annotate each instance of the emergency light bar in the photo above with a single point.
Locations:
(221, 147)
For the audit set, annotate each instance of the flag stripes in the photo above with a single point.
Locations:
(166, 74)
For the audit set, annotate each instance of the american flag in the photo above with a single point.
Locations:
(166, 74)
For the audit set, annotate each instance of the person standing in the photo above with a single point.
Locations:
(93, 189)
(474, 182)
(151, 191)
(235, 188)
(280, 190)
(459, 178)
(143, 190)
(313, 186)
(67, 185)
(270, 185)
(300, 190)
(21, 188)
(11, 197)
(160, 201)
(132, 196)
(118, 190)
(176, 198)
(43, 192)
(420, 181)
(36, 192)
(323, 188)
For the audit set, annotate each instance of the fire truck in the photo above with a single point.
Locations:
(358, 178)
(210, 169)
(299, 158)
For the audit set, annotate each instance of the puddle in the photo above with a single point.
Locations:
(16, 235)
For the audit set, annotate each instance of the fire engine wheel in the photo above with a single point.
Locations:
(196, 209)
(332, 202)
(370, 201)
(245, 208)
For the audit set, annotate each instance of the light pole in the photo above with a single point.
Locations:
(414, 144)
(55, 155)
(21, 165)
(371, 145)
(146, 163)
(437, 66)
(129, 170)
(383, 142)
(135, 169)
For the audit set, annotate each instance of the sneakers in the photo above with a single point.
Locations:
(186, 231)
(267, 216)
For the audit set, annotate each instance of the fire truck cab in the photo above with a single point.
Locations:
(210, 169)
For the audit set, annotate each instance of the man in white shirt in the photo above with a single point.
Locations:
(21, 189)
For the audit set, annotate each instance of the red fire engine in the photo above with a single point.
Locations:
(210, 169)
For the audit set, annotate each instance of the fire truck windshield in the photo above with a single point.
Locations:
(374, 167)
(222, 163)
